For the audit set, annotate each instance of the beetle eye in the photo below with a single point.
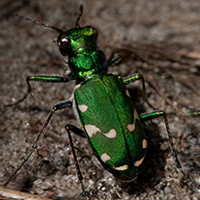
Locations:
(63, 41)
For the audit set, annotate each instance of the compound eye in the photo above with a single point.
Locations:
(63, 41)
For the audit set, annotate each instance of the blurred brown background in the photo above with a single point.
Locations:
(160, 39)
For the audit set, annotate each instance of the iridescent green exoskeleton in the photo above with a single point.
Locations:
(108, 117)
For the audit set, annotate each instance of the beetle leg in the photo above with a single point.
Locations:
(70, 128)
(46, 79)
(158, 113)
(59, 106)
(113, 60)
(136, 77)
(76, 130)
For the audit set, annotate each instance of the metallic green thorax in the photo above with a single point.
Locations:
(104, 107)
(80, 46)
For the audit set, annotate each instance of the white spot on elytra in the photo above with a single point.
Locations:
(144, 144)
(77, 86)
(82, 108)
(131, 127)
(105, 157)
(139, 162)
(111, 133)
(91, 129)
(127, 93)
(64, 40)
(136, 116)
(121, 168)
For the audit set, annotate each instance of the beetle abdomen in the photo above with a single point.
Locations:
(111, 123)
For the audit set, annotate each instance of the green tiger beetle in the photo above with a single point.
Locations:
(102, 104)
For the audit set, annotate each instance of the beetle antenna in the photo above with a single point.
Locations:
(40, 23)
(78, 18)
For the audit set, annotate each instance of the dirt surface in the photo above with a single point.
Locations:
(159, 39)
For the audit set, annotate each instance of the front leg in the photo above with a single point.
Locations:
(45, 79)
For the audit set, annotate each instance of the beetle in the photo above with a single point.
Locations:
(102, 104)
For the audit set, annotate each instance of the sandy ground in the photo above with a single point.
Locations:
(159, 39)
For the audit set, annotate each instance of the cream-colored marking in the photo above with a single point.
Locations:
(105, 157)
(116, 73)
(76, 87)
(111, 133)
(139, 162)
(131, 127)
(82, 108)
(144, 143)
(91, 129)
(64, 40)
(121, 168)
(127, 93)
(136, 116)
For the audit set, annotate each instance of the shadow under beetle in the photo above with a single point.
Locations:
(102, 104)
